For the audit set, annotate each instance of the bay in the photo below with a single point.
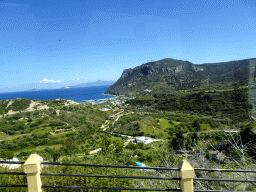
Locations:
(76, 94)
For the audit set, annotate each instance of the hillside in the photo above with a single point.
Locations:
(171, 75)
(67, 131)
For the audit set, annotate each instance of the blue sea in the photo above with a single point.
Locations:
(76, 94)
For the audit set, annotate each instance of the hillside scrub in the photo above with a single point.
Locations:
(231, 104)
(19, 104)
(188, 120)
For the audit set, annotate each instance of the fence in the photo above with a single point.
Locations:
(34, 165)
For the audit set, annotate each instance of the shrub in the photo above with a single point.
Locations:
(6, 154)
(19, 104)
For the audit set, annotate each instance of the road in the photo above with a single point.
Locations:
(118, 116)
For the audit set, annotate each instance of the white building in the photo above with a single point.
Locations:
(104, 109)
(11, 166)
(144, 140)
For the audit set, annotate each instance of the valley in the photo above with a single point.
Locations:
(156, 128)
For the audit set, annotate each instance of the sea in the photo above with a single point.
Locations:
(83, 94)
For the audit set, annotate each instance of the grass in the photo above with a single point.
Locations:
(221, 90)
(205, 127)
(150, 127)
(164, 124)
(176, 122)
(42, 130)
(4, 136)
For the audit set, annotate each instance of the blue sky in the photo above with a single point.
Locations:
(99, 39)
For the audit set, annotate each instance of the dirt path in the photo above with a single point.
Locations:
(95, 151)
(118, 116)
(117, 113)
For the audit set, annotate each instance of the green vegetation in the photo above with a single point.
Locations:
(15, 105)
(170, 75)
(6, 154)
(19, 104)
(187, 120)
(227, 104)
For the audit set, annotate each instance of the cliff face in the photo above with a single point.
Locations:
(170, 74)
(149, 69)
(126, 73)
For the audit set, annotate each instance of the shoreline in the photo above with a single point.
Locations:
(100, 98)
(108, 94)
(98, 101)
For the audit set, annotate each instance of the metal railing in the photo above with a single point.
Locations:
(225, 180)
(34, 164)
(110, 176)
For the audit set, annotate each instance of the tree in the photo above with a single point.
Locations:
(105, 144)
(85, 150)
(196, 125)
(70, 146)
(131, 146)
(119, 146)
(177, 140)
(6, 154)
(140, 145)
(48, 152)
(55, 155)
(195, 138)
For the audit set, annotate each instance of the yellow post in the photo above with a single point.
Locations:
(187, 174)
(32, 168)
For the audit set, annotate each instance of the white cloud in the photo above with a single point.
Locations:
(50, 81)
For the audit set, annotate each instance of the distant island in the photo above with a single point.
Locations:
(91, 84)
(88, 84)
(35, 89)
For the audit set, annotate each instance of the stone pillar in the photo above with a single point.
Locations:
(187, 174)
(32, 168)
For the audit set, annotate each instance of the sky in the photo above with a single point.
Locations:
(55, 43)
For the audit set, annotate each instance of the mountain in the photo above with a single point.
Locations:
(92, 84)
(36, 90)
(88, 84)
(171, 74)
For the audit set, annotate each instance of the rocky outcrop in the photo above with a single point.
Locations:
(170, 74)
(149, 69)
(196, 68)
(126, 73)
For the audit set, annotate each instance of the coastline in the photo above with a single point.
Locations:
(98, 101)
(108, 94)
(114, 96)
(77, 94)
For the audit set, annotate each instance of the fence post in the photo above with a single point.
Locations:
(187, 174)
(32, 168)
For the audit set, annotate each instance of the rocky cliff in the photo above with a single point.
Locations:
(170, 74)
